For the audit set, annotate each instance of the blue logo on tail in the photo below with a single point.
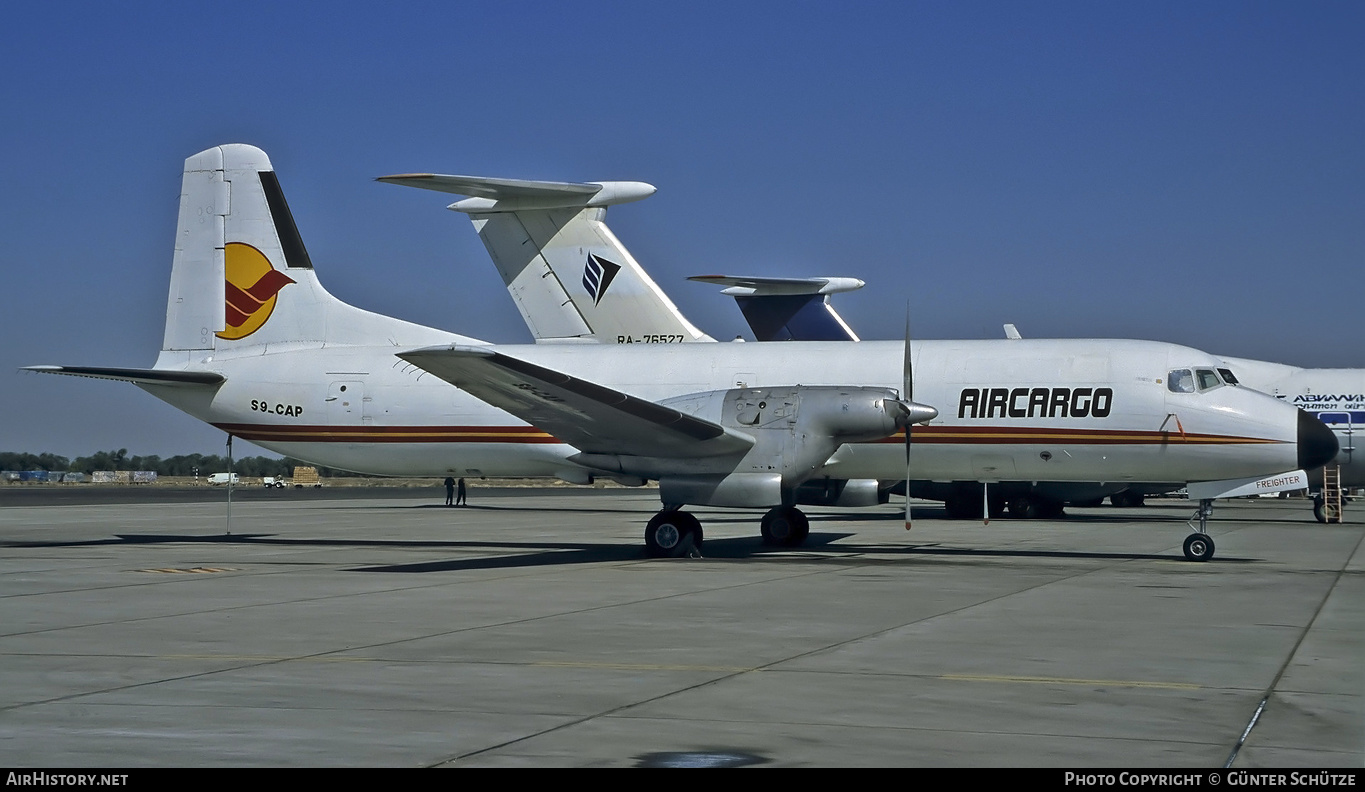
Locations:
(597, 276)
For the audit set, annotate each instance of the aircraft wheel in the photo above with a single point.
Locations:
(785, 526)
(1325, 513)
(672, 535)
(1198, 547)
(1050, 509)
(1023, 508)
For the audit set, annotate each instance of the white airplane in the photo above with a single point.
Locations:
(540, 234)
(255, 346)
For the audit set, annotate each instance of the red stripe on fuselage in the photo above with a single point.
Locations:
(932, 435)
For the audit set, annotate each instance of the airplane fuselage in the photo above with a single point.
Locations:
(1053, 410)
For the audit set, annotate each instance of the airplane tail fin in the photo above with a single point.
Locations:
(571, 278)
(241, 276)
(788, 309)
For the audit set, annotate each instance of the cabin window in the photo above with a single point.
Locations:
(1180, 381)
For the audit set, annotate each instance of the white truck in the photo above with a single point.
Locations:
(223, 478)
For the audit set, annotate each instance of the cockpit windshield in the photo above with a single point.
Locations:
(1194, 380)
(1208, 378)
(1228, 376)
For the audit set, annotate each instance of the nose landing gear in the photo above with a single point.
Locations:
(1199, 545)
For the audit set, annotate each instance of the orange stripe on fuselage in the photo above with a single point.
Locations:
(932, 435)
(387, 434)
(999, 435)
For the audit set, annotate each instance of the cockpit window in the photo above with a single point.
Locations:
(1228, 376)
(1207, 379)
(1180, 381)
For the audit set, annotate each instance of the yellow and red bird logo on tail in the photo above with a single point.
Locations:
(252, 285)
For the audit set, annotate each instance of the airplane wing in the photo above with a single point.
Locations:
(587, 416)
(138, 376)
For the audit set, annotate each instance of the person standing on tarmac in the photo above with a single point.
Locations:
(450, 491)
(460, 495)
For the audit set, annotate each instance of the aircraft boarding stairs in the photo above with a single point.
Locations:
(1328, 508)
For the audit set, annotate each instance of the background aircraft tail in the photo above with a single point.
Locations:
(571, 278)
(241, 276)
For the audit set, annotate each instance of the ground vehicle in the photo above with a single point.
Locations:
(275, 481)
(224, 478)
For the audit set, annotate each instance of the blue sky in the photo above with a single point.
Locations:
(1187, 172)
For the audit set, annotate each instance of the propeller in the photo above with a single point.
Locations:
(912, 412)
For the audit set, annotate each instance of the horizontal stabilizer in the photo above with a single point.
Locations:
(511, 195)
(757, 286)
(139, 376)
(588, 416)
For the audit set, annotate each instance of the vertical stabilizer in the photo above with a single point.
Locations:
(571, 278)
(241, 276)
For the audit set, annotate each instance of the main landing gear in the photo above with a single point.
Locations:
(677, 534)
(1199, 545)
(785, 526)
(673, 534)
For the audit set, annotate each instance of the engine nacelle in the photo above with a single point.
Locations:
(796, 429)
(841, 492)
(846, 414)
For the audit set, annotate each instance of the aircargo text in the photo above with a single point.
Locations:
(1035, 402)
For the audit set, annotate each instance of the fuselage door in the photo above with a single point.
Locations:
(346, 403)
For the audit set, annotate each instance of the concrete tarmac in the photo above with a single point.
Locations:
(529, 630)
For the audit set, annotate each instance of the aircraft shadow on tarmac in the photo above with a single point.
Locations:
(820, 545)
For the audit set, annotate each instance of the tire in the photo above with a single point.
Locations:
(1023, 509)
(1198, 547)
(1325, 513)
(672, 534)
(785, 526)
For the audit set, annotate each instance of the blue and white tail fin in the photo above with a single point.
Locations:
(571, 278)
(789, 309)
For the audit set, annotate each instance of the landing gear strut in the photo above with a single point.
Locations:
(785, 526)
(1199, 545)
(673, 534)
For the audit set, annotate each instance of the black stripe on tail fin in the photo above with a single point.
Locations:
(295, 254)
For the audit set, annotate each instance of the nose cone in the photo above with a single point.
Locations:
(1317, 443)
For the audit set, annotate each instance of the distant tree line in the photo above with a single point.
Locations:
(182, 465)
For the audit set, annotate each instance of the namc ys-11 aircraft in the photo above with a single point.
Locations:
(256, 347)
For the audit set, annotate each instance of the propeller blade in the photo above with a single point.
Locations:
(907, 403)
